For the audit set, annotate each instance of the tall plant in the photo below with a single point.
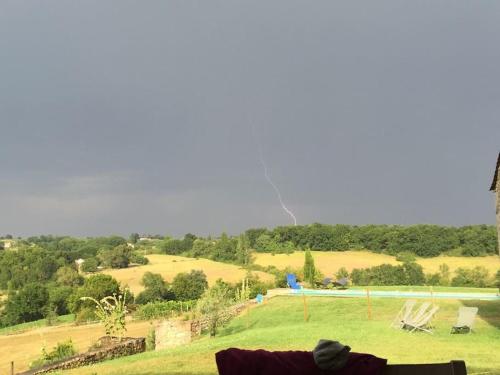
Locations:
(111, 311)
(243, 294)
(309, 268)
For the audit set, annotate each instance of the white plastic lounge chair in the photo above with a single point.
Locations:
(465, 320)
(424, 323)
(419, 313)
(404, 313)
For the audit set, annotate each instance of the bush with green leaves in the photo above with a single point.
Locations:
(90, 265)
(61, 351)
(137, 258)
(26, 305)
(155, 289)
(472, 277)
(95, 286)
(117, 257)
(387, 274)
(189, 286)
(166, 309)
(211, 305)
(405, 257)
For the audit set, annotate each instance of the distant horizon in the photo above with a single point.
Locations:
(125, 235)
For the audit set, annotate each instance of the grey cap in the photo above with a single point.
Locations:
(330, 355)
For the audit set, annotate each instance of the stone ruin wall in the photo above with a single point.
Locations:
(127, 346)
(176, 332)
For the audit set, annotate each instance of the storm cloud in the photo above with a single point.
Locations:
(125, 116)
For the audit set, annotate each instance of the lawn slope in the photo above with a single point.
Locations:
(279, 325)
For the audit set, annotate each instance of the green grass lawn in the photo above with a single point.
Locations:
(279, 325)
(422, 288)
(36, 324)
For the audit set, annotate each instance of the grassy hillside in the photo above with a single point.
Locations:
(279, 325)
(28, 344)
(329, 262)
(35, 324)
(169, 266)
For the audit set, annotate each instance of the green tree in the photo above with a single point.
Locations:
(243, 251)
(309, 268)
(212, 303)
(202, 248)
(117, 257)
(189, 286)
(342, 273)
(225, 249)
(90, 265)
(68, 276)
(134, 238)
(155, 289)
(58, 299)
(96, 286)
(475, 277)
(444, 274)
(26, 305)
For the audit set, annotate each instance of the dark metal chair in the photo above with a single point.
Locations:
(450, 368)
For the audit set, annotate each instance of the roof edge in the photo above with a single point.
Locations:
(495, 176)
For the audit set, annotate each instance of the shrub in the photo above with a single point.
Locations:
(138, 259)
(60, 351)
(151, 339)
(342, 273)
(26, 305)
(156, 310)
(474, 277)
(406, 256)
(156, 289)
(189, 286)
(96, 286)
(85, 315)
(117, 257)
(386, 274)
(212, 304)
(90, 265)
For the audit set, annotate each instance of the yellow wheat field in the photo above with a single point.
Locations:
(329, 262)
(169, 266)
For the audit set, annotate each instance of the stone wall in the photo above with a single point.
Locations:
(110, 350)
(172, 333)
(176, 332)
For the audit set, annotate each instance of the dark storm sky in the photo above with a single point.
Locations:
(121, 116)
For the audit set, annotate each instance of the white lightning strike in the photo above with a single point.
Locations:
(268, 178)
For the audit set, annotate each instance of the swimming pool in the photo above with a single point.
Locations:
(393, 294)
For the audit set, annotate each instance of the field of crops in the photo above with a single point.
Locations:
(328, 262)
(169, 266)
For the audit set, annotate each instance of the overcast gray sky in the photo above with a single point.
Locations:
(122, 116)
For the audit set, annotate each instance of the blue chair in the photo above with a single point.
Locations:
(259, 298)
(291, 280)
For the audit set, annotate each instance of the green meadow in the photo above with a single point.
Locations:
(279, 325)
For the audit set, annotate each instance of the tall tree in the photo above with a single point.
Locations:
(309, 268)
(243, 251)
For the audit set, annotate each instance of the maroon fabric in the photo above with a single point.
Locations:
(261, 362)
